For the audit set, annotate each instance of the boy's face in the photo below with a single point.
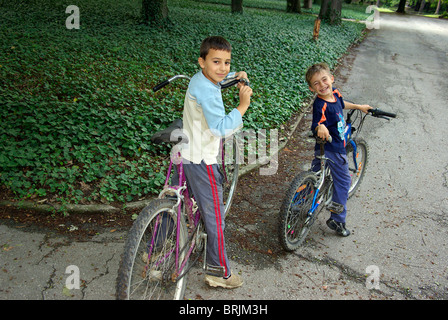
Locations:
(216, 65)
(321, 83)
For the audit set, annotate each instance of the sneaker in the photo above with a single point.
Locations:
(339, 227)
(234, 281)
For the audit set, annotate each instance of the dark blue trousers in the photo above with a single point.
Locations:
(341, 179)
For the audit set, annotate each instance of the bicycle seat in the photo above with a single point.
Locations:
(165, 134)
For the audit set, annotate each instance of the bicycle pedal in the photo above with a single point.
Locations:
(216, 271)
(335, 207)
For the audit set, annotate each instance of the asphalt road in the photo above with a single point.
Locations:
(399, 217)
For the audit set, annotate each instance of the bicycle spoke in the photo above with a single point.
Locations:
(300, 211)
(357, 160)
(150, 268)
(295, 218)
(229, 167)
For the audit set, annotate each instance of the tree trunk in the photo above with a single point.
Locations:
(330, 10)
(438, 7)
(155, 11)
(237, 6)
(422, 6)
(293, 6)
(335, 11)
(401, 6)
(323, 9)
(307, 4)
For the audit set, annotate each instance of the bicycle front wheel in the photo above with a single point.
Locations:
(229, 167)
(149, 267)
(357, 163)
(294, 219)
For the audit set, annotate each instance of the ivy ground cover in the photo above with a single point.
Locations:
(76, 106)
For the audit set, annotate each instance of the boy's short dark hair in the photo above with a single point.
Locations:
(216, 43)
(315, 68)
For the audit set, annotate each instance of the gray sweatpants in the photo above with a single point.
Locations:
(205, 184)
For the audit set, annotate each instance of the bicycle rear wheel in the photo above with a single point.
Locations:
(229, 166)
(294, 220)
(357, 169)
(148, 270)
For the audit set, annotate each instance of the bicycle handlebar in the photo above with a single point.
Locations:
(164, 83)
(160, 85)
(225, 84)
(382, 114)
(232, 81)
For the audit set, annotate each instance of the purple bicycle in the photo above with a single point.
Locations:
(168, 236)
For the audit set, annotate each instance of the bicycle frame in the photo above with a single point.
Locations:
(348, 135)
(181, 191)
(325, 170)
(192, 213)
(310, 191)
(323, 174)
(167, 260)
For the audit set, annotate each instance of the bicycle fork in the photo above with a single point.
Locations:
(356, 169)
(317, 199)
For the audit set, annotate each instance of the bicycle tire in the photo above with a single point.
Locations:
(229, 167)
(294, 224)
(357, 174)
(147, 268)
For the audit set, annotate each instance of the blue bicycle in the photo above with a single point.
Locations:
(310, 191)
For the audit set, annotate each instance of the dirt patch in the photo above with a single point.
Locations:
(79, 226)
(252, 224)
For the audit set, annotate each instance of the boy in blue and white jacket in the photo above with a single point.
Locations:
(205, 123)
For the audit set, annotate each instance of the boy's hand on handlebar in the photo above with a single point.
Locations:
(241, 75)
(245, 94)
(362, 107)
(365, 108)
(322, 132)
